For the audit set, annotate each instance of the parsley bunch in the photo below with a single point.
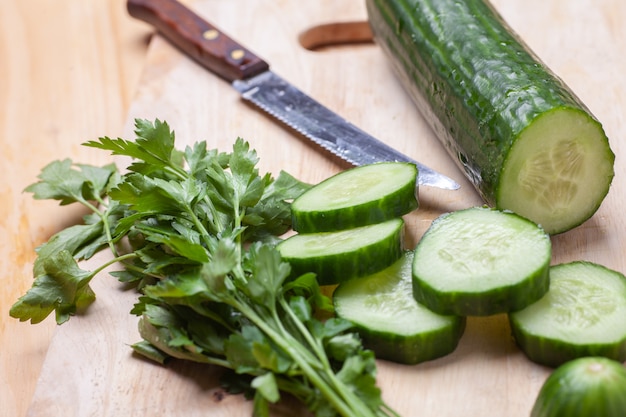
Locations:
(195, 231)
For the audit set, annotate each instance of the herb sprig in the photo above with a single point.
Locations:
(195, 231)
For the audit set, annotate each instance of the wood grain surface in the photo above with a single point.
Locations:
(89, 369)
(68, 73)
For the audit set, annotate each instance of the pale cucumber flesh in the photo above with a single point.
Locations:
(583, 314)
(391, 322)
(345, 254)
(481, 261)
(357, 197)
(557, 171)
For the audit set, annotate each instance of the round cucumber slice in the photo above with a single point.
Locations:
(389, 320)
(481, 261)
(558, 171)
(583, 314)
(584, 387)
(340, 256)
(357, 197)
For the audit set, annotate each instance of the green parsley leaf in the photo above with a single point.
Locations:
(154, 147)
(81, 239)
(164, 332)
(266, 385)
(267, 274)
(248, 186)
(62, 287)
(70, 183)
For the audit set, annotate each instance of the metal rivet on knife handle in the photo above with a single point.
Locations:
(237, 54)
(189, 32)
(210, 34)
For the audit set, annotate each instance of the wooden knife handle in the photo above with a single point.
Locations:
(199, 39)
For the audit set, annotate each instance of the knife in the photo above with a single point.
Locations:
(252, 78)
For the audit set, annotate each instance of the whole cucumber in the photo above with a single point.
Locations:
(521, 136)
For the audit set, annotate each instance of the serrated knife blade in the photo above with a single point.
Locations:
(252, 77)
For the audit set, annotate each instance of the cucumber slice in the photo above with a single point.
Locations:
(585, 387)
(389, 320)
(340, 256)
(583, 314)
(481, 261)
(357, 197)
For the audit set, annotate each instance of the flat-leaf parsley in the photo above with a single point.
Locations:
(196, 231)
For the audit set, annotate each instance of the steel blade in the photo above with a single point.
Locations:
(280, 99)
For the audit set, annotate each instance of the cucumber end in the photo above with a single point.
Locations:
(589, 386)
(558, 171)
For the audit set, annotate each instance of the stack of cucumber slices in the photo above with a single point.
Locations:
(410, 306)
(350, 225)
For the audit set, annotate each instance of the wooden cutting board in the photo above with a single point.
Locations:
(90, 370)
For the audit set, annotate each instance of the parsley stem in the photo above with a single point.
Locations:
(104, 217)
(88, 205)
(322, 357)
(335, 393)
(115, 260)
(199, 225)
(107, 231)
(318, 349)
(176, 171)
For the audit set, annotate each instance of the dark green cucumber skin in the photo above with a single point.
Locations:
(347, 218)
(570, 392)
(334, 269)
(402, 348)
(486, 303)
(411, 351)
(542, 350)
(553, 352)
(500, 300)
(396, 204)
(474, 80)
